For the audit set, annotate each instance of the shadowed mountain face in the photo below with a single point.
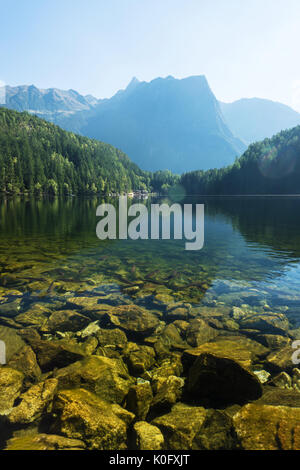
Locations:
(166, 124)
(51, 104)
(255, 119)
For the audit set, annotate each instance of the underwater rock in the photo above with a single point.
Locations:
(90, 330)
(267, 323)
(11, 308)
(11, 382)
(199, 332)
(168, 392)
(265, 427)
(139, 399)
(44, 442)
(216, 433)
(273, 341)
(217, 381)
(37, 316)
(180, 426)
(281, 359)
(134, 320)
(170, 366)
(13, 341)
(279, 397)
(138, 358)
(25, 361)
(262, 375)
(177, 311)
(114, 337)
(108, 378)
(65, 320)
(52, 354)
(282, 380)
(34, 402)
(224, 348)
(147, 436)
(83, 415)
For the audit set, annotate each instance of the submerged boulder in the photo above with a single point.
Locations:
(134, 320)
(34, 402)
(139, 399)
(192, 427)
(147, 436)
(25, 361)
(265, 427)
(108, 378)
(82, 415)
(11, 382)
(217, 381)
(36, 441)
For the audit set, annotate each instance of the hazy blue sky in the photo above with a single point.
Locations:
(245, 48)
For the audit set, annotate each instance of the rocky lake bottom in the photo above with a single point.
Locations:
(114, 345)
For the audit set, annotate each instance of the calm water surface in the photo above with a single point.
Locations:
(251, 255)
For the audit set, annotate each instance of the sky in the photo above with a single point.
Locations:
(245, 48)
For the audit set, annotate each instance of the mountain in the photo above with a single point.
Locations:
(165, 124)
(39, 157)
(268, 167)
(51, 104)
(254, 119)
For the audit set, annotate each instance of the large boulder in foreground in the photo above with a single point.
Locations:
(82, 415)
(107, 378)
(193, 427)
(217, 381)
(265, 427)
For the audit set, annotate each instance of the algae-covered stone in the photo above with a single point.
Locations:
(108, 378)
(52, 354)
(34, 402)
(265, 427)
(169, 391)
(230, 349)
(217, 381)
(82, 415)
(139, 358)
(281, 359)
(66, 320)
(44, 442)
(267, 323)
(13, 341)
(180, 426)
(37, 316)
(25, 361)
(216, 433)
(147, 436)
(114, 337)
(199, 332)
(139, 399)
(11, 382)
(134, 320)
(11, 308)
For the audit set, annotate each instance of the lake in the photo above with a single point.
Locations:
(250, 256)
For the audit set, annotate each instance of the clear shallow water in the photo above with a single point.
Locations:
(251, 255)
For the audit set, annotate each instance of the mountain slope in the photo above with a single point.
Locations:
(166, 124)
(268, 167)
(255, 119)
(51, 104)
(37, 156)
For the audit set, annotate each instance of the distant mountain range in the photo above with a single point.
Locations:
(254, 119)
(164, 124)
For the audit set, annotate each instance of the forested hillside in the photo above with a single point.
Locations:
(268, 167)
(39, 157)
